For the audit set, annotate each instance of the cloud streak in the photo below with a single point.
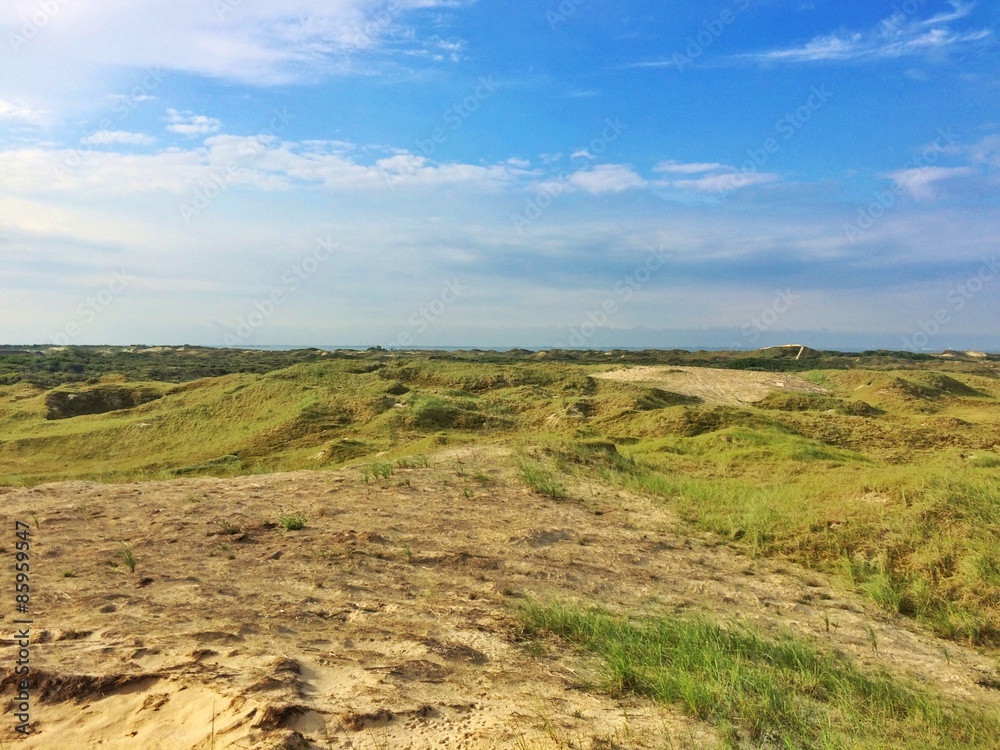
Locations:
(708, 177)
(923, 183)
(896, 37)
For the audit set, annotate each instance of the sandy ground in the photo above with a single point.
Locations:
(713, 385)
(386, 622)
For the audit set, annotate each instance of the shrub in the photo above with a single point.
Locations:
(292, 522)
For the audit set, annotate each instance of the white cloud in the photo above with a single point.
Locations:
(606, 178)
(258, 43)
(986, 152)
(724, 183)
(262, 162)
(923, 183)
(20, 112)
(900, 35)
(108, 137)
(582, 154)
(65, 239)
(712, 177)
(673, 167)
(959, 10)
(188, 123)
(267, 163)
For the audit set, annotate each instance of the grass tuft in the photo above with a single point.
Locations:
(759, 691)
(292, 522)
(228, 527)
(126, 556)
(378, 470)
(541, 480)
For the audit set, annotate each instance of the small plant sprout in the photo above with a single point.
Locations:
(872, 638)
(946, 654)
(126, 556)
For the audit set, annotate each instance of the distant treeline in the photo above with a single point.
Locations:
(49, 367)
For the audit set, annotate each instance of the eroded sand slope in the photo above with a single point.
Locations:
(386, 621)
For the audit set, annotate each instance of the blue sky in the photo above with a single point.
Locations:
(459, 172)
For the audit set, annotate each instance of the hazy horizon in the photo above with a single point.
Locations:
(693, 345)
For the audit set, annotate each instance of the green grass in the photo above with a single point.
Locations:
(986, 461)
(542, 480)
(292, 521)
(918, 542)
(760, 691)
(126, 556)
(888, 481)
(413, 462)
(378, 470)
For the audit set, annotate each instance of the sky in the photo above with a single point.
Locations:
(534, 173)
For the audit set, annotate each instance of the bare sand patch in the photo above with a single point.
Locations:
(386, 621)
(714, 385)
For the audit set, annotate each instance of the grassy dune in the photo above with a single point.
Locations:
(889, 479)
(760, 691)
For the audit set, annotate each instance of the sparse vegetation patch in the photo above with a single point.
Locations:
(760, 691)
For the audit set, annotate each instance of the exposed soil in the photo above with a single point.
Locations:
(386, 622)
(713, 385)
(64, 404)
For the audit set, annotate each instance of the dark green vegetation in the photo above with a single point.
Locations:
(889, 479)
(760, 691)
(48, 367)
